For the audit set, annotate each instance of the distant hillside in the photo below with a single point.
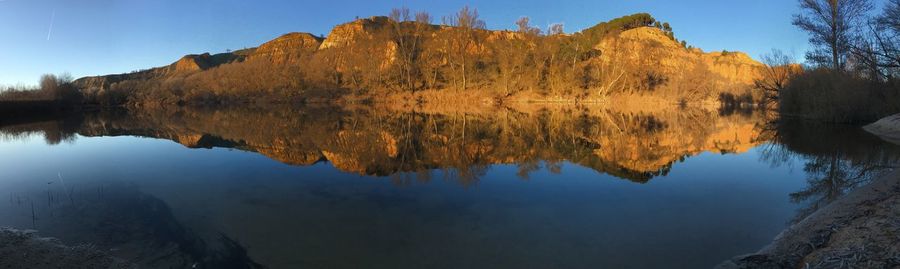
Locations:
(375, 58)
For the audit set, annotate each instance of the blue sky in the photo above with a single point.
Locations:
(91, 37)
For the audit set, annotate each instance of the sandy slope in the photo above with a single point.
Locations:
(887, 128)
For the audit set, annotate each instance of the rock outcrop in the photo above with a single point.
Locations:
(652, 47)
(191, 63)
(186, 65)
(347, 33)
(24, 249)
(734, 66)
(287, 48)
(887, 128)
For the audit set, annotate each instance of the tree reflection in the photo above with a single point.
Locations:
(836, 159)
(55, 129)
(407, 145)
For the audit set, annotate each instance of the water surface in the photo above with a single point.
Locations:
(370, 188)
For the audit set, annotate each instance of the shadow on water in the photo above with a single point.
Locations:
(836, 159)
(131, 224)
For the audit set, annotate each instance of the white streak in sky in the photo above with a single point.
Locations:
(52, 18)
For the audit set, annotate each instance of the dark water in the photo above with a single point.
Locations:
(368, 188)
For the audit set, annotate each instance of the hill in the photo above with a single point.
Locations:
(384, 58)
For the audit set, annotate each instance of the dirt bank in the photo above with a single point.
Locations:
(887, 128)
(861, 230)
(24, 249)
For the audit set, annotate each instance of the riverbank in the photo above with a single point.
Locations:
(887, 128)
(25, 249)
(861, 230)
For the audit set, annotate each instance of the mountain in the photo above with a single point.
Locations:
(379, 57)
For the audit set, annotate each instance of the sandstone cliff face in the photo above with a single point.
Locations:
(652, 47)
(288, 48)
(191, 63)
(734, 66)
(345, 34)
(186, 65)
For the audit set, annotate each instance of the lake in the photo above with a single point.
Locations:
(369, 187)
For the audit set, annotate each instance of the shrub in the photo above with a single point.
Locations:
(839, 97)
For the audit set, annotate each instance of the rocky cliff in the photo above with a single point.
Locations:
(654, 48)
(288, 48)
(347, 33)
(363, 55)
(188, 64)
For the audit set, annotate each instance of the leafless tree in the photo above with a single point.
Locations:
(780, 68)
(832, 25)
(556, 29)
(888, 35)
(524, 24)
(466, 25)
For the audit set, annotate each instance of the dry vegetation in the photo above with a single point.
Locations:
(405, 53)
(53, 94)
(51, 88)
(854, 66)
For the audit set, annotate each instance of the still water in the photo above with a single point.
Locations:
(374, 188)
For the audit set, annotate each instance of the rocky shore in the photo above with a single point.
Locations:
(861, 230)
(25, 249)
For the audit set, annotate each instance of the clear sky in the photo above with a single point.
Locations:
(91, 37)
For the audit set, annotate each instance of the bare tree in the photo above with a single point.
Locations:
(891, 16)
(524, 24)
(780, 68)
(876, 52)
(888, 35)
(407, 46)
(466, 25)
(556, 29)
(831, 25)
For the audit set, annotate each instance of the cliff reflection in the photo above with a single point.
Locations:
(637, 145)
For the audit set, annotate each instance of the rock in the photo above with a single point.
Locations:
(645, 44)
(287, 48)
(190, 63)
(346, 33)
(887, 128)
(734, 66)
(24, 249)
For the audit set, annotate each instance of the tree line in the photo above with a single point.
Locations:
(51, 88)
(852, 67)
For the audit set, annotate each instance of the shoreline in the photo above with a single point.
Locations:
(25, 249)
(860, 230)
(887, 128)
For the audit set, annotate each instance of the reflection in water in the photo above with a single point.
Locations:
(634, 145)
(56, 129)
(117, 217)
(837, 159)
(319, 221)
